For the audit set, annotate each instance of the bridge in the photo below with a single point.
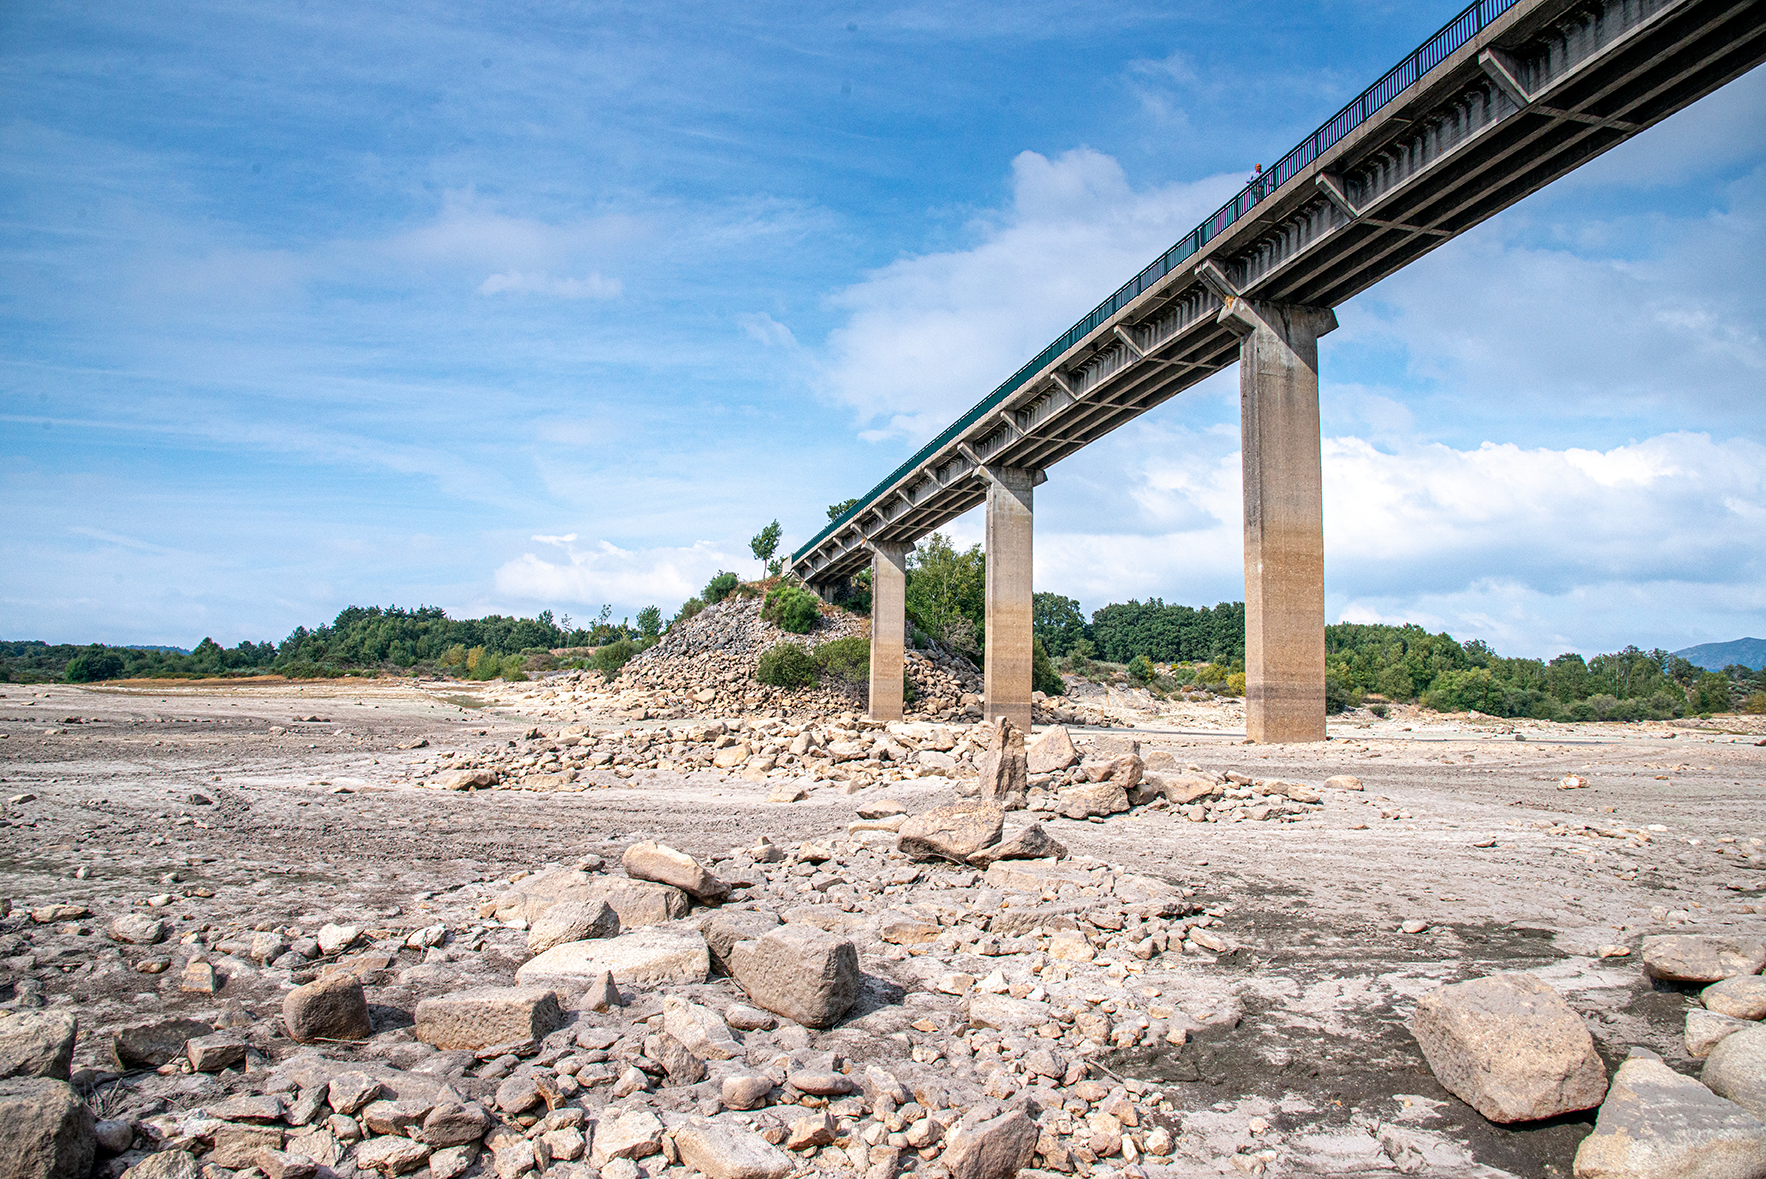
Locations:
(1507, 97)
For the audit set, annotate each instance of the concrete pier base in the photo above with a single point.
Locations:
(889, 585)
(1284, 518)
(1007, 658)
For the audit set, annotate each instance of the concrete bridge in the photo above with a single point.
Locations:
(1506, 98)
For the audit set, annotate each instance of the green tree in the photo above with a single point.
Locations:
(947, 592)
(764, 544)
(1057, 621)
(835, 511)
(720, 587)
(1043, 676)
(650, 622)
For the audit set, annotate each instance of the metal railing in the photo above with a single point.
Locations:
(1396, 81)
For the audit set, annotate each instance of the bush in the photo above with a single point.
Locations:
(89, 667)
(1755, 704)
(720, 587)
(1337, 697)
(792, 608)
(1043, 676)
(786, 665)
(689, 609)
(848, 659)
(512, 669)
(650, 622)
(1378, 710)
(1140, 669)
(487, 666)
(1079, 658)
(609, 659)
(1235, 684)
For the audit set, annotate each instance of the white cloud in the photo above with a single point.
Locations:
(608, 573)
(928, 336)
(541, 283)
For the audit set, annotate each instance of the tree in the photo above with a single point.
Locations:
(650, 622)
(835, 511)
(1057, 621)
(946, 592)
(764, 544)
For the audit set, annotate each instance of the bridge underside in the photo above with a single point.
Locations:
(1532, 94)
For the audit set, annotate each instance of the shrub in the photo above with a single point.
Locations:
(88, 667)
(454, 656)
(488, 666)
(1378, 710)
(1755, 704)
(792, 608)
(1079, 658)
(1043, 676)
(720, 587)
(689, 609)
(1337, 697)
(650, 622)
(610, 658)
(1140, 669)
(1235, 684)
(473, 657)
(1211, 674)
(848, 658)
(512, 669)
(786, 665)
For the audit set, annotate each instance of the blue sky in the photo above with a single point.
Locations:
(506, 308)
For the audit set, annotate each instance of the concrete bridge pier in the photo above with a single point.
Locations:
(1006, 662)
(889, 597)
(1284, 517)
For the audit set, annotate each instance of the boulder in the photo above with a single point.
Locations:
(1179, 789)
(699, 1029)
(166, 1164)
(150, 1045)
(634, 1134)
(1707, 1029)
(468, 780)
(664, 865)
(880, 808)
(37, 1044)
(953, 832)
(1510, 1047)
(138, 929)
(1032, 843)
(745, 1090)
(455, 1123)
(720, 1151)
(335, 939)
(330, 1009)
(1002, 766)
(1701, 957)
(391, 1155)
(1736, 1069)
(725, 927)
(1342, 782)
(638, 902)
(45, 1130)
(484, 1016)
(1104, 798)
(572, 921)
(1743, 996)
(800, 972)
(1657, 1124)
(644, 957)
(1051, 752)
(995, 1149)
(1005, 1013)
(215, 1051)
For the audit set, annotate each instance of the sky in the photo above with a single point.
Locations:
(507, 308)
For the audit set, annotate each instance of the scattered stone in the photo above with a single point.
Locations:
(723, 928)
(1032, 843)
(953, 832)
(1343, 782)
(800, 972)
(330, 1009)
(138, 929)
(335, 939)
(1743, 996)
(1657, 1124)
(1701, 957)
(391, 1155)
(995, 1149)
(641, 958)
(278, 1164)
(1051, 752)
(682, 1067)
(880, 808)
(37, 1044)
(572, 921)
(477, 1018)
(199, 978)
(745, 1090)
(664, 865)
(1510, 1047)
(1005, 1013)
(45, 1130)
(1736, 1069)
(721, 1151)
(454, 1123)
(1002, 766)
(634, 1134)
(166, 1164)
(1707, 1029)
(114, 1135)
(215, 1051)
(748, 1019)
(699, 1029)
(603, 994)
(237, 1145)
(150, 1045)
(1104, 798)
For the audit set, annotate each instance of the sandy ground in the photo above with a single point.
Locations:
(183, 794)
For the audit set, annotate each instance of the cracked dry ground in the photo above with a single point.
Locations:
(1298, 1059)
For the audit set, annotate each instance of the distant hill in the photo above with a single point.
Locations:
(1717, 656)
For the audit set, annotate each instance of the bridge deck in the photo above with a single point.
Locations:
(1502, 101)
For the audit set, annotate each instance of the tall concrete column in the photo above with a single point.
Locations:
(889, 599)
(1007, 659)
(1284, 517)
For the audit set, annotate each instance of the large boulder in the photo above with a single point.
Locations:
(995, 1149)
(638, 902)
(1051, 752)
(723, 928)
(571, 921)
(1510, 1047)
(650, 860)
(46, 1131)
(485, 1016)
(1657, 1124)
(331, 1009)
(800, 972)
(720, 1151)
(1032, 843)
(1003, 766)
(1743, 996)
(953, 832)
(1736, 1069)
(37, 1044)
(1105, 798)
(645, 957)
(1684, 957)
